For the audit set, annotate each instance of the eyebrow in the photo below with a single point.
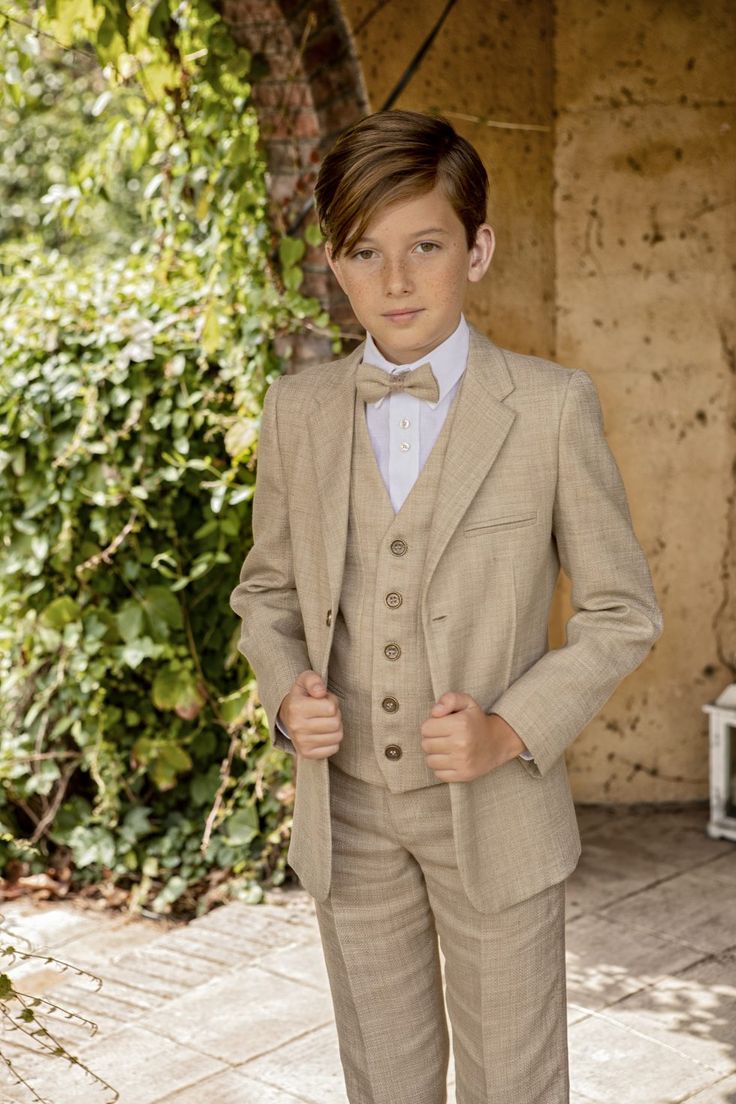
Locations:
(416, 234)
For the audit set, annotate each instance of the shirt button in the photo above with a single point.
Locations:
(405, 423)
(392, 751)
(399, 547)
(392, 650)
(390, 704)
(393, 599)
(404, 446)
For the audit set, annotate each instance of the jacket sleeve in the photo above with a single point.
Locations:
(616, 617)
(272, 634)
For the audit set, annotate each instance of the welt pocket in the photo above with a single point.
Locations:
(500, 522)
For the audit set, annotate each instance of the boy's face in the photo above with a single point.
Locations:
(414, 258)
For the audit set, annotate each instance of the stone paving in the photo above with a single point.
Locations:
(234, 1008)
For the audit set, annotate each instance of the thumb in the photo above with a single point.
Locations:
(313, 683)
(444, 704)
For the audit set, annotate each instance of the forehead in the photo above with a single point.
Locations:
(419, 214)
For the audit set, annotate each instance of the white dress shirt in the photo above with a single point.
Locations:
(403, 428)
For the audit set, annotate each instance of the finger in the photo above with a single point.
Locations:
(313, 683)
(328, 706)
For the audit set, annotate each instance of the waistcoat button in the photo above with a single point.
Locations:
(399, 547)
(392, 751)
(393, 599)
(329, 617)
(392, 650)
(390, 704)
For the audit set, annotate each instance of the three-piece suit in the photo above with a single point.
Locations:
(393, 608)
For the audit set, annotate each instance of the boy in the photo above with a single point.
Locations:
(414, 502)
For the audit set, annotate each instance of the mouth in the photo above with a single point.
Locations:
(403, 313)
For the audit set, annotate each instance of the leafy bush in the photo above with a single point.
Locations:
(131, 739)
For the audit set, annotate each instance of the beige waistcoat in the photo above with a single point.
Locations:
(378, 665)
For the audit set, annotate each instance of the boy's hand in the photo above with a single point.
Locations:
(311, 713)
(461, 742)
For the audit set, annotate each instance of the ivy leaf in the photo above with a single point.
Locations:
(159, 21)
(211, 330)
(61, 612)
(241, 827)
(313, 234)
(293, 278)
(168, 764)
(291, 250)
(129, 620)
(177, 690)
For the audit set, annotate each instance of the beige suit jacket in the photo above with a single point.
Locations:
(528, 484)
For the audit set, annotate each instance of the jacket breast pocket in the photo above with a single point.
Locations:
(501, 523)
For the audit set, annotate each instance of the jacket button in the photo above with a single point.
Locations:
(329, 617)
(392, 751)
(390, 704)
(393, 599)
(399, 547)
(392, 650)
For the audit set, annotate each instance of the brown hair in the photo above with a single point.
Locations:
(393, 155)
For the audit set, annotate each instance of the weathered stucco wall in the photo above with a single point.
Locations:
(644, 246)
(492, 61)
(615, 254)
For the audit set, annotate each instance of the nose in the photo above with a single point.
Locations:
(396, 277)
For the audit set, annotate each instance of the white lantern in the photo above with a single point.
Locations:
(722, 823)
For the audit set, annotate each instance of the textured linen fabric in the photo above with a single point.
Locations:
(384, 556)
(528, 485)
(403, 419)
(395, 890)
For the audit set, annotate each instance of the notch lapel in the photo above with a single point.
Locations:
(330, 419)
(481, 424)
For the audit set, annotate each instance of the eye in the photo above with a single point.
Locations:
(434, 246)
(360, 251)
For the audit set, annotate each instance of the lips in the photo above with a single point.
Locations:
(401, 313)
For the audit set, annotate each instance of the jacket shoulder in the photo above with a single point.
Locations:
(538, 373)
(313, 378)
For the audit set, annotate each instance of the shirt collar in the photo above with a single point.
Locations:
(448, 359)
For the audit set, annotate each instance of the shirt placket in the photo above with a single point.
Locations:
(403, 465)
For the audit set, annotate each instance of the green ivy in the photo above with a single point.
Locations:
(131, 388)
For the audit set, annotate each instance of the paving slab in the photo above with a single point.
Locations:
(695, 907)
(234, 1007)
(304, 963)
(141, 1065)
(607, 873)
(612, 1064)
(240, 1015)
(675, 835)
(607, 962)
(694, 1012)
(231, 1087)
(722, 1093)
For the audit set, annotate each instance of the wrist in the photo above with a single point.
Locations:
(506, 736)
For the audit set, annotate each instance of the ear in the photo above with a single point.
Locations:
(480, 255)
(334, 264)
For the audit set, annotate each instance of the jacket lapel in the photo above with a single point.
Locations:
(330, 422)
(481, 423)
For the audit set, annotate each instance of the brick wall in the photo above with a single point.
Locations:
(307, 87)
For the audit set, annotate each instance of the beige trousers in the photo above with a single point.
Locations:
(395, 888)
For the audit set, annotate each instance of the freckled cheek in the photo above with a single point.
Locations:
(447, 285)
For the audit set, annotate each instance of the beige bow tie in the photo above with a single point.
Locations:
(373, 382)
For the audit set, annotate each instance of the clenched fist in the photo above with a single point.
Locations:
(311, 714)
